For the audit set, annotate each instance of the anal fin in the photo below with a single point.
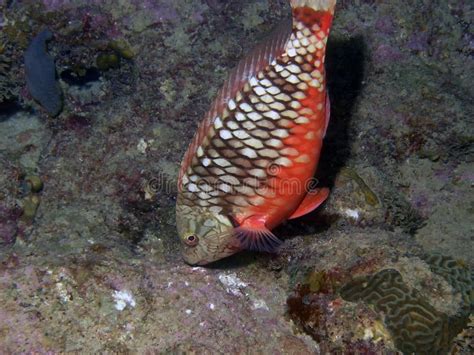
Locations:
(310, 202)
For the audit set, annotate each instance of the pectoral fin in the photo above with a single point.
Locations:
(310, 202)
(253, 235)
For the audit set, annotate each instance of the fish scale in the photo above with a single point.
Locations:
(271, 100)
(263, 131)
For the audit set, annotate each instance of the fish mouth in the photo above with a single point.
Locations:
(193, 259)
(196, 262)
(201, 255)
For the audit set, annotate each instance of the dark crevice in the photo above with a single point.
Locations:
(9, 108)
(72, 78)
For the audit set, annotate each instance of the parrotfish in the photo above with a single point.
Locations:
(248, 166)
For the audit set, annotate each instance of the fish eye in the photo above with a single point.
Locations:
(191, 240)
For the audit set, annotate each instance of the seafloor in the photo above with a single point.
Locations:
(89, 256)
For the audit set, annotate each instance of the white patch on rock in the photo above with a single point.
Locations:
(368, 334)
(123, 299)
(63, 294)
(354, 214)
(142, 146)
(260, 304)
(232, 283)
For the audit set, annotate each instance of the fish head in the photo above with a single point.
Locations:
(206, 236)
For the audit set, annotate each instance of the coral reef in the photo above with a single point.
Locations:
(6, 91)
(415, 325)
(325, 317)
(89, 259)
(464, 341)
(412, 306)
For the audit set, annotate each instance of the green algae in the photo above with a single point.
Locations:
(106, 61)
(370, 197)
(319, 281)
(110, 59)
(18, 32)
(34, 183)
(122, 48)
(30, 206)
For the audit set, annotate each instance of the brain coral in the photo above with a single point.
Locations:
(457, 274)
(416, 326)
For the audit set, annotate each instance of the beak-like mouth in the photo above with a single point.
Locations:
(193, 260)
(205, 254)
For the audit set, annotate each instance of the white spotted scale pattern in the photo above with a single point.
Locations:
(246, 141)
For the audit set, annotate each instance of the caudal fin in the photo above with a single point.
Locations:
(314, 14)
(317, 5)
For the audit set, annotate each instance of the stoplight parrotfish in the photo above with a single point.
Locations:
(248, 166)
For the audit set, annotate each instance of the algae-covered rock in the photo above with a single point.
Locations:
(122, 48)
(34, 183)
(104, 223)
(30, 206)
(41, 74)
(106, 61)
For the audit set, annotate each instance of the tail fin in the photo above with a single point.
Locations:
(317, 5)
(314, 12)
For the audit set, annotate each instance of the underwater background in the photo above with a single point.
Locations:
(98, 103)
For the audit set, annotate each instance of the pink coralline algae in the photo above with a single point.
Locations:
(418, 42)
(385, 25)
(160, 10)
(8, 225)
(8, 232)
(55, 5)
(386, 53)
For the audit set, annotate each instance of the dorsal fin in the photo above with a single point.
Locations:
(254, 62)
